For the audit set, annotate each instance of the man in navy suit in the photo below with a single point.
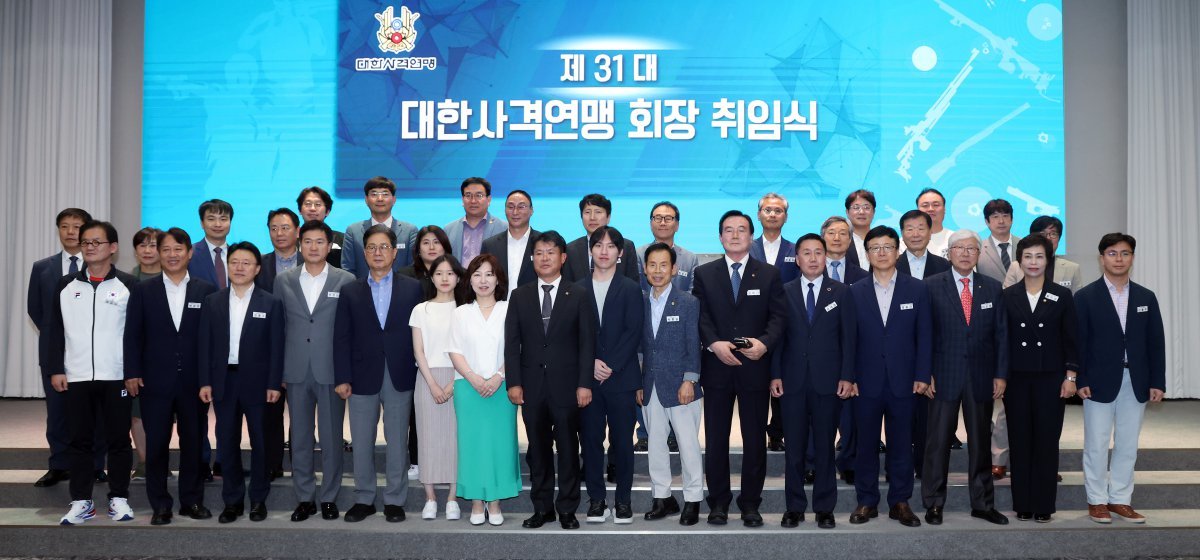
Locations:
(315, 204)
(742, 317)
(619, 315)
(916, 260)
(1123, 365)
(813, 372)
(210, 263)
(380, 196)
(241, 371)
(284, 228)
(774, 249)
(467, 233)
(43, 281)
(837, 235)
(970, 370)
(511, 246)
(595, 210)
(162, 327)
(894, 352)
(374, 368)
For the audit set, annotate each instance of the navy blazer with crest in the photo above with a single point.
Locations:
(820, 354)
(1103, 346)
(1043, 339)
(785, 261)
(550, 363)
(898, 353)
(760, 312)
(166, 359)
(362, 349)
(962, 353)
(618, 333)
(673, 354)
(260, 352)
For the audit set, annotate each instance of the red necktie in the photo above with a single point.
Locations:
(966, 299)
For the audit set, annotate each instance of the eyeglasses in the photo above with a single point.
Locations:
(1050, 234)
(94, 244)
(662, 219)
(881, 249)
(1115, 254)
(965, 250)
(377, 248)
(474, 196)
(861, 207)
(772, 211)
(517, 207)
(277, 229)
(379, 194)
(313, 204)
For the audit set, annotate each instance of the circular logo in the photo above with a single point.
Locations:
(396, 24)
(397, 38)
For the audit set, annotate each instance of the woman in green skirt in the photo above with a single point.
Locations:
(488, 464)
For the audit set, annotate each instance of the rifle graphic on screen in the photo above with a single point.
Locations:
(940, 168)
(1010, 59)
(918, 134)
(1033, 204)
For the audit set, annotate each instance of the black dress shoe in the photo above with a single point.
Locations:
(792, 519)
(101, 476)
(206, 474)
(810, 477)
(848, 477)
(641, 445)
(904, 514)
(393, 514)
(662, 507)
(691, 514)
(329, 510)
(161, 518)
(52, 477)
(933, 515)
(991, 516)
(882, 447)
(275, 474)
(359, 512)
(216, 469)
(718, 515)
(230, 514)
(347, 446)
(258, 511)
(195, 511)
(775, 445)
(610, 473)
(956, 444)
(1024, 516)
(1042, 518)
(751, 518)
(825, 520)
(672, 444)
(568, 521)
(537, 520)
(863, 514)
(303, 511)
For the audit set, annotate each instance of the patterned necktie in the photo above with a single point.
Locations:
(547, 306)
(810, 303)
(736, 280)
(836, 275)
(74, 268)
(219, 264)
(1004, 258)
(966, 299)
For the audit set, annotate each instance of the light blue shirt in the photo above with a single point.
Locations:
(282, 264)
(884, 295)
(381, 294)
(916, 265)
(657, 306)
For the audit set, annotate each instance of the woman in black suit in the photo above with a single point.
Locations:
(1043, 361)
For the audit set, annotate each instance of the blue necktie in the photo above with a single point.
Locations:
(74, 268)
(810, 303)
(835, 275)
(736, 280)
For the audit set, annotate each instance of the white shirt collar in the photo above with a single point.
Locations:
(324, 271)
(555, 283)
(387, 222)
(729, 263)
(958, 277)
(187, 277)
(816, 282)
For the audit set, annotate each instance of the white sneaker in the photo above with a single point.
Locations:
(430, 510)
(119, 510)
(414, 472)
(453, 513)
(81, 510)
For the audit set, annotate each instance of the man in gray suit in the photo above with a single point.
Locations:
(999, 248)
(380, 196)
(670, 392)
(468, 232)
(664, 224)
(310, 295)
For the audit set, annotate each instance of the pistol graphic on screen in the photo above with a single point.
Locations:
(1033, 204)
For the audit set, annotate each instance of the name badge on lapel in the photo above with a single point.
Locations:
(682, 273)
(672, 318)
(753, 292)
(334, 295)
(789, 259)
(1064, 283)
(400, 245)
(987, 305)
(194, 305)
(1143, 308)
(259, 315)
(1051, 297)
(831, 307)
(905, 306)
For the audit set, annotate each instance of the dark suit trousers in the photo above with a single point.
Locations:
(920, 426)
(943, 421)
(718, 422)
(809, 422)
(775, 426)
(158, 415)
(847, 437)
(58, 431)
(548, 428)
(1035, 420)
(613, 413)
(896, 415)
(84, 401)
(230, 411)
(273, 432)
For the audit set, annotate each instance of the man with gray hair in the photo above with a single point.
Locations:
(836, 232)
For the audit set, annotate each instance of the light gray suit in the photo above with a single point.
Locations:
(990, 264)
(684, 259)
(308, 373)
(454, 231)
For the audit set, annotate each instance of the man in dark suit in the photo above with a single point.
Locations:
(838, 245)
(512, 246)
(374, 367)
(813, 371)
(860, 210)
(380, 196)
(162, 337)
(43, 281)
(550, 361)
(284, 226)
(595, 210)
(894, 352)
(970, 370)
(774, 249)
(209, 263)
(742, 317)
(241, 370)
(315, 204)
(916, 261)
(617, 303)
(1123, 365)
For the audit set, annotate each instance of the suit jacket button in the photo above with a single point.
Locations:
(1039, 344)
(1040, 325)
(1023, 344)
(308, 340)
(1022, 325)
(312, 320)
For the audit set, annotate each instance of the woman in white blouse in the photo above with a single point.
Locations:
(436, 423)
(488, 464)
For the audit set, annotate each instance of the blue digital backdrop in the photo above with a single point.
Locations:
(708, 104)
